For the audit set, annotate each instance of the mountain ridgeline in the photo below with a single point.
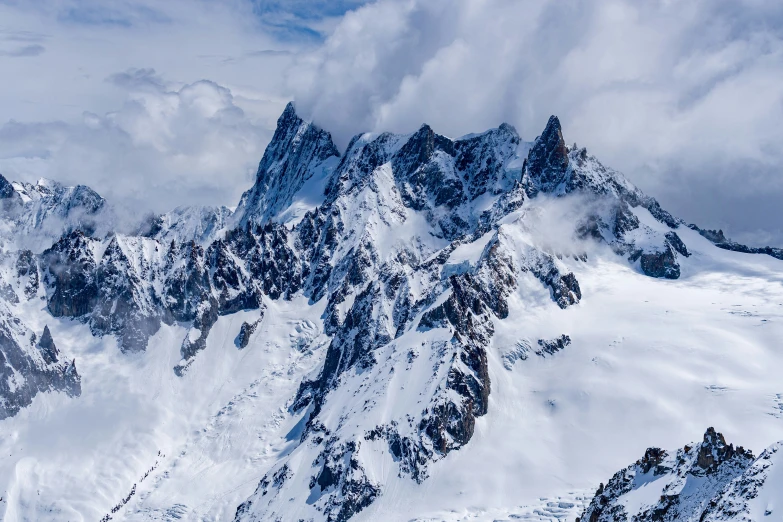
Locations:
(371, 232)
(711, 481)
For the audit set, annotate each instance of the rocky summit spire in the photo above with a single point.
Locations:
(297, 151)
(547, 161)
(46, 345)
(713, 451)
(6, 189)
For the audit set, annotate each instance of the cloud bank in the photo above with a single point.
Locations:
(153, 104)
(163, 147)
(162, 104)
(683, 96)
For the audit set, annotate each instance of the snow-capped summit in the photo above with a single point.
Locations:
(202, 224)
(299, 153)
(709, 481)
(34, 215)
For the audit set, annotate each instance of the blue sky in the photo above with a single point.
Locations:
(157, 104)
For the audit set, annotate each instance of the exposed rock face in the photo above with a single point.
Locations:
(551, 168)
(721, 241)
(660, 263)
(552, 346)
(676, 243)
(298, 151)
(524, 348)
(245, 332)
(713, 451)
(125, 305)
(47, 346)
(27, 273)
(6, 189)
(136, 284)
(27, 369)
(69, 270)
(712, 480)
(754, 495)
(547, 163)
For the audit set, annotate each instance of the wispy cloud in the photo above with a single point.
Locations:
(21, 36)
(137, 79)
(24, 51)
(119, 14)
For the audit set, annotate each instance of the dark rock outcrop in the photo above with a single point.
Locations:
(691, 483)
(25, 373)
(47, 347)
(70, 270)
(245, 332)
(6, 189)
(662, 264)
(547, 162)
(552, 346)
(27, 273)
(721, 241)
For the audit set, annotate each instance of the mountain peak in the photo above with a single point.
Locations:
(553, 126)
(294, 155)
(547, 161)
(290, 108)
(507, 127)
(289, 117)
(6, 188)
(48, 348)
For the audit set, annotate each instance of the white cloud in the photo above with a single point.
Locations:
(165, 146)
(153, 104)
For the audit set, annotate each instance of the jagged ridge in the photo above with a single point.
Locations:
(711, 481)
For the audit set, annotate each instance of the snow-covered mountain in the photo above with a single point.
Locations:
(708, 481)
(189, 223)
(418, 327)
(36, 215)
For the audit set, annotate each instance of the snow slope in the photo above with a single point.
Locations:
(672, 358)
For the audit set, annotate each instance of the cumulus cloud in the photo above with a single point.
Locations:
(153, 104)
(683, 96)
(163, 147)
